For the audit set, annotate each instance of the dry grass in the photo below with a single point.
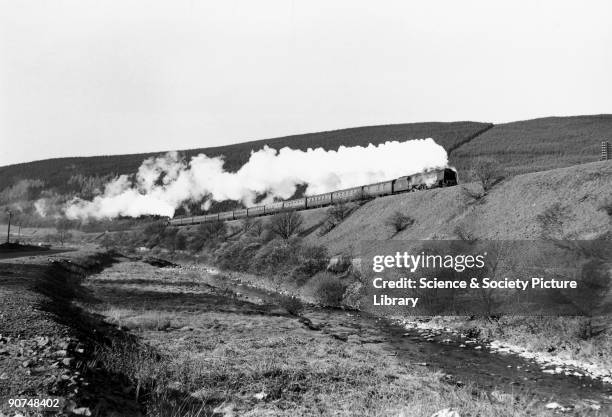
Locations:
(537, 145)
(252, 369)
(239, 363)
(141, 320)
(509, 210)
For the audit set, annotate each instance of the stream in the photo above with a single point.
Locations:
(460, 360)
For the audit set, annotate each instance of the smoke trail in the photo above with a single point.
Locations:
(164, 183)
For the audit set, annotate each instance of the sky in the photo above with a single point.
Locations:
(83, 77)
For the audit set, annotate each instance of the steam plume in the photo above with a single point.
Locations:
(164, 183)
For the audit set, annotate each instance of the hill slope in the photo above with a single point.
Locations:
(509, 211)
(538, 144)
(57, 172)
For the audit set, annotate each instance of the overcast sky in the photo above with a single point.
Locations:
(84, 77)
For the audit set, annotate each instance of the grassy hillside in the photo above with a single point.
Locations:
(520, 147)
(56, 173)
(539, 144)
(575, 195)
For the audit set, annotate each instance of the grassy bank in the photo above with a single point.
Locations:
(204, 351)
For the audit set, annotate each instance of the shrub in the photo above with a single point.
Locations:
(209, 234)
(237, 255)
(399, 221)
(487, 172)
(292, 304)
(472, 196)
(257, 228)
(606, 206)
(310, 260)
(63, 227)
(274, 257)
(335, 215)
(252, 227)
(286, 224)
(551, 220)
(327, 289)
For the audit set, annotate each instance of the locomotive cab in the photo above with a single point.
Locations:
(450, 177)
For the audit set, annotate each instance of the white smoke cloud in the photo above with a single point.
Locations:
(41, 207)
(164, 183)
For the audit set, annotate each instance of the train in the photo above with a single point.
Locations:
(443, 177)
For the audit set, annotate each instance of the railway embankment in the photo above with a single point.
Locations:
(577, 198)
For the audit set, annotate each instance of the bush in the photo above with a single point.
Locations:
(292, 304)
(208, 235)
(606, 206)
(286, 224)
(399, 221)
(275, 257)
(472, 196)
(252, 227)
(327, 289)
(310, 260)
(552, 219)
(236, 256)
(335, 215)
(487, 172)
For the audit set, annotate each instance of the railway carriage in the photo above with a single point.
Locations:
(318, 200)
(377, 190)
(274, 207)
(297, 204)
(226, 215)
(256, 211)
(349, 194)
(425, 180)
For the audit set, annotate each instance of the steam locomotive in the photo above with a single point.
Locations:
(445, 177)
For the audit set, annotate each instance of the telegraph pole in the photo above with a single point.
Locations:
(8, 233)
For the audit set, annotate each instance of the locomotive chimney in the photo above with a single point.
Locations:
(606, 151)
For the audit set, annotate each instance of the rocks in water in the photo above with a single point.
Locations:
(82, 411)
(556, 406)
(260, 396)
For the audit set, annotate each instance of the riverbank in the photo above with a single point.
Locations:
(48, 346)
(232, 349)
(540, 339)
(586, 363)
